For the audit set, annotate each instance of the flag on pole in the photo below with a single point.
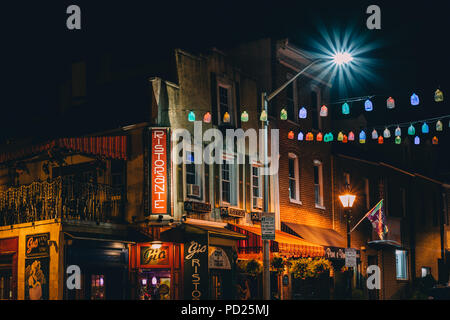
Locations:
(377, 218)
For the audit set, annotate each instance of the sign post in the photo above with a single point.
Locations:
(268, 226)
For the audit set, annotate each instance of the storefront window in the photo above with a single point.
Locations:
(154, 284)
(6, 292)
(401, 264)
(97, 287)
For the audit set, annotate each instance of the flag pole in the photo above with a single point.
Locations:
(365, 215)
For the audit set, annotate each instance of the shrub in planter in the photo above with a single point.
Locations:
(253, 267)
(277, 264)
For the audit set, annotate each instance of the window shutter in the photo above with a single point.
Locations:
(214, 99)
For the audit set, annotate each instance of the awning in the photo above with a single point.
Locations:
(284, 243)
(181, 233)
(320, 236)
(112, 147)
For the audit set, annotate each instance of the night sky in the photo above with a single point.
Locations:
(410, 50)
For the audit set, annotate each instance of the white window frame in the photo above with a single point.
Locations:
(234, 185)
(296, 178)
(231, 103)
(319, 165)
(397, 252)
(252, 197)
(200, 178)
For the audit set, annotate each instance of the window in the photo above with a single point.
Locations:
(294, 177)
(225, 102)
(316, 125)
(97, 287)
(401, 264)
(367, 193)
(425, 271)
(194, 177)
(318, 184)
(290, 100)
(256, 187)
(229, 183)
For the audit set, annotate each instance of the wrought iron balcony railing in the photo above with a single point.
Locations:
(63, 198)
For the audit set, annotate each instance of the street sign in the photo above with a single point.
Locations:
(268, 226)
(350, 258)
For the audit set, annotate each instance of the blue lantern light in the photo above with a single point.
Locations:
(302, 113)
(398, 132)
(425, 128)
(417, 140)
(415, 99)
(300, 136)
(368, 105)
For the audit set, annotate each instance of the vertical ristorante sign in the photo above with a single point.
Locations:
(159, 169)
(196, 268)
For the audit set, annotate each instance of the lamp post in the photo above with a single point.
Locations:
(339, 58)
(347, 201)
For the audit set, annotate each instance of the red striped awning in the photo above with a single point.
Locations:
(284, 243)
(112, 147)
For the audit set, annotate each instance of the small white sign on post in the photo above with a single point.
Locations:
(268, 226)
(350, 258)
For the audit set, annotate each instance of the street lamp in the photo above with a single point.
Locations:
(339, 59)
(347, 201)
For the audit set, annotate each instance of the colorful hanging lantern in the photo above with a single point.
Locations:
(309, 136)
(291, 135)
(438, 96)
(300, 136)
(435, 140)
(226, 117)
(207, 117)
(362, 137)
(398, 140)
(374, 134)
(425, 128)
(328, 137)
(439, 126)
(368, 105)
(324, 111)
(283, 114)
(351, 136)
(386, 133)
(345, 108)
(411, 130)
(380, 140)
(415, 99)
(302, 113)
(244, 116)
(340, 136)
(191, 116)
(417, 140)
(319, 137)
(344, 139)
(398, 132)
(263, 116)
(390, 103)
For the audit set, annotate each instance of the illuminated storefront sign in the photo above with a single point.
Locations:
(159, 172)
(196, 269)
(218, 259)
(153, 257)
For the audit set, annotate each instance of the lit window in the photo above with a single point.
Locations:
(256, 188)
(318, 183)
(294, 177)
(367, 193)
(401, 264)
(229, 183)
(425, 271)
(225, 103)
(97, 287)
